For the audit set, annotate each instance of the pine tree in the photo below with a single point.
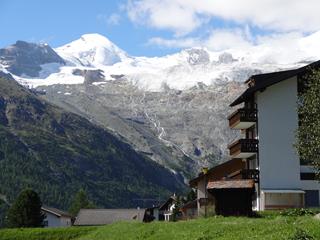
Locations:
(26, 211)
(308, 134)
(80, 201)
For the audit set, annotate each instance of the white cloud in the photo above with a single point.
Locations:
(174, 43)
(218, 39)
(222, 39)
(165, 14)
(184, 16)
(114, 19)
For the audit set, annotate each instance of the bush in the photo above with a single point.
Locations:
(301, 235)
(296, 212)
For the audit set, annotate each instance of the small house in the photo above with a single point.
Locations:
(56, 218)
(167, 208)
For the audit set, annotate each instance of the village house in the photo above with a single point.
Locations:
(94, 217)
(56, 218)
(167, 208)
(264, 164)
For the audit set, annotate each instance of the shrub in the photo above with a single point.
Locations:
(296, 212)
(301, 235)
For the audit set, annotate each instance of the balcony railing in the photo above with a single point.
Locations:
(250, 174)
(243, 118)
(243, 148)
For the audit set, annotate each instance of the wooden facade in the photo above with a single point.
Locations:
(233, 197)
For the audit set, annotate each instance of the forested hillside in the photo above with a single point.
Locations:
(56, 153)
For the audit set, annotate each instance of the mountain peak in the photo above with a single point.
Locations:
(96, 38)
(25, 59)
(92, 50)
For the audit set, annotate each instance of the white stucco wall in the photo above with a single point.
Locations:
(55, 221)
(277, 123)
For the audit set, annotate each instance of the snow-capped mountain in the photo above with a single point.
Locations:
(92, 50)
(179, 71)
(172, 108)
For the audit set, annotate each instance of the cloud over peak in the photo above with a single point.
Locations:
(184, 16)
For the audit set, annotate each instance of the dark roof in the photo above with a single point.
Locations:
(222, 168)
(261, 81)
(91, 217)
(170, 200)
(55, 211)
(231, 184)
(191, 204)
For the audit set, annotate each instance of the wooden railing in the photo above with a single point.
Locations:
(250, 174)
(243, 145)
(243, 115)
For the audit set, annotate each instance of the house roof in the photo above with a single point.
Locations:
(55, 211)
(261, 81)
(191, 204)
(219, 171)
(89, 217)
(231, 184)
(170, 200)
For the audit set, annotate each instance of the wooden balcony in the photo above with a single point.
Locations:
(244, 174)
(243, 118)
(250, 174)
(243, 148)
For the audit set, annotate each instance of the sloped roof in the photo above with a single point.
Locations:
(191, 204)
(220, 171)
(88, 217)
(169, 201)
(261, 81)
(55, 211)
(231, 184)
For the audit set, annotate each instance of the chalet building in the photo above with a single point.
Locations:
(226, 189)
(166, 209)
(264, 163)
(56, 218)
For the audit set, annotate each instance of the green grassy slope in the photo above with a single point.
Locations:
(220, 228)
(56, 152)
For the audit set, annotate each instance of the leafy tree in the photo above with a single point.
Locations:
(80, 201)
(308, 135)
(26, 211)
(192, 195)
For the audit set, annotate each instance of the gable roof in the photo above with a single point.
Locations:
(55, 211)
(261, 81)
(166, 204)
(89, 217)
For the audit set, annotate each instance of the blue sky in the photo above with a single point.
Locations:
(155, 28)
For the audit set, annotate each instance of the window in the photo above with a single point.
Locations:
(308, 176)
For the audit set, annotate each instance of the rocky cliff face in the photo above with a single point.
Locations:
(182, 130)
(25, 59)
